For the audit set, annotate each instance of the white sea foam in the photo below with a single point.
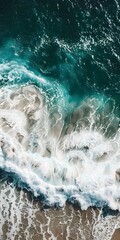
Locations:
(79, 162)
(13, 71)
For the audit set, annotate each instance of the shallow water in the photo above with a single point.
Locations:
(72, 161)
(22, 217)
(56, 159)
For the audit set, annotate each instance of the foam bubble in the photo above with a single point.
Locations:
(77, 165)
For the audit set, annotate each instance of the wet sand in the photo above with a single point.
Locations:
(23, 218)
(116, 235)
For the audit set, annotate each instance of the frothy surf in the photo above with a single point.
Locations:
(61, 156)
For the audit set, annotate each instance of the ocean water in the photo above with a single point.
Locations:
(59, 119)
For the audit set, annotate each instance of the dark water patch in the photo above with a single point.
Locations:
(106, 211)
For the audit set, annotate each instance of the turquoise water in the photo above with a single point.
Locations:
(74, 43)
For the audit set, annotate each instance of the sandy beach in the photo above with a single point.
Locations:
(25, 218)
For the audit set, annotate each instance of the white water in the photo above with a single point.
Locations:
(78, 163)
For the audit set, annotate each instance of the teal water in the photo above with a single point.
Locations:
(74, 42)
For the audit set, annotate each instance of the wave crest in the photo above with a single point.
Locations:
(75, 159)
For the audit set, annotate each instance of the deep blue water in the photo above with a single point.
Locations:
(73, 42)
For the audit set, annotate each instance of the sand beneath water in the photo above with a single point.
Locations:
(22, 218)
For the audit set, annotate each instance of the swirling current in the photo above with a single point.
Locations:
(59, 105)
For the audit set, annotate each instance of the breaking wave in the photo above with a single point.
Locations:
(59, 150)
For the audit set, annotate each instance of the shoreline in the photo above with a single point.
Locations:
(23, 217)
